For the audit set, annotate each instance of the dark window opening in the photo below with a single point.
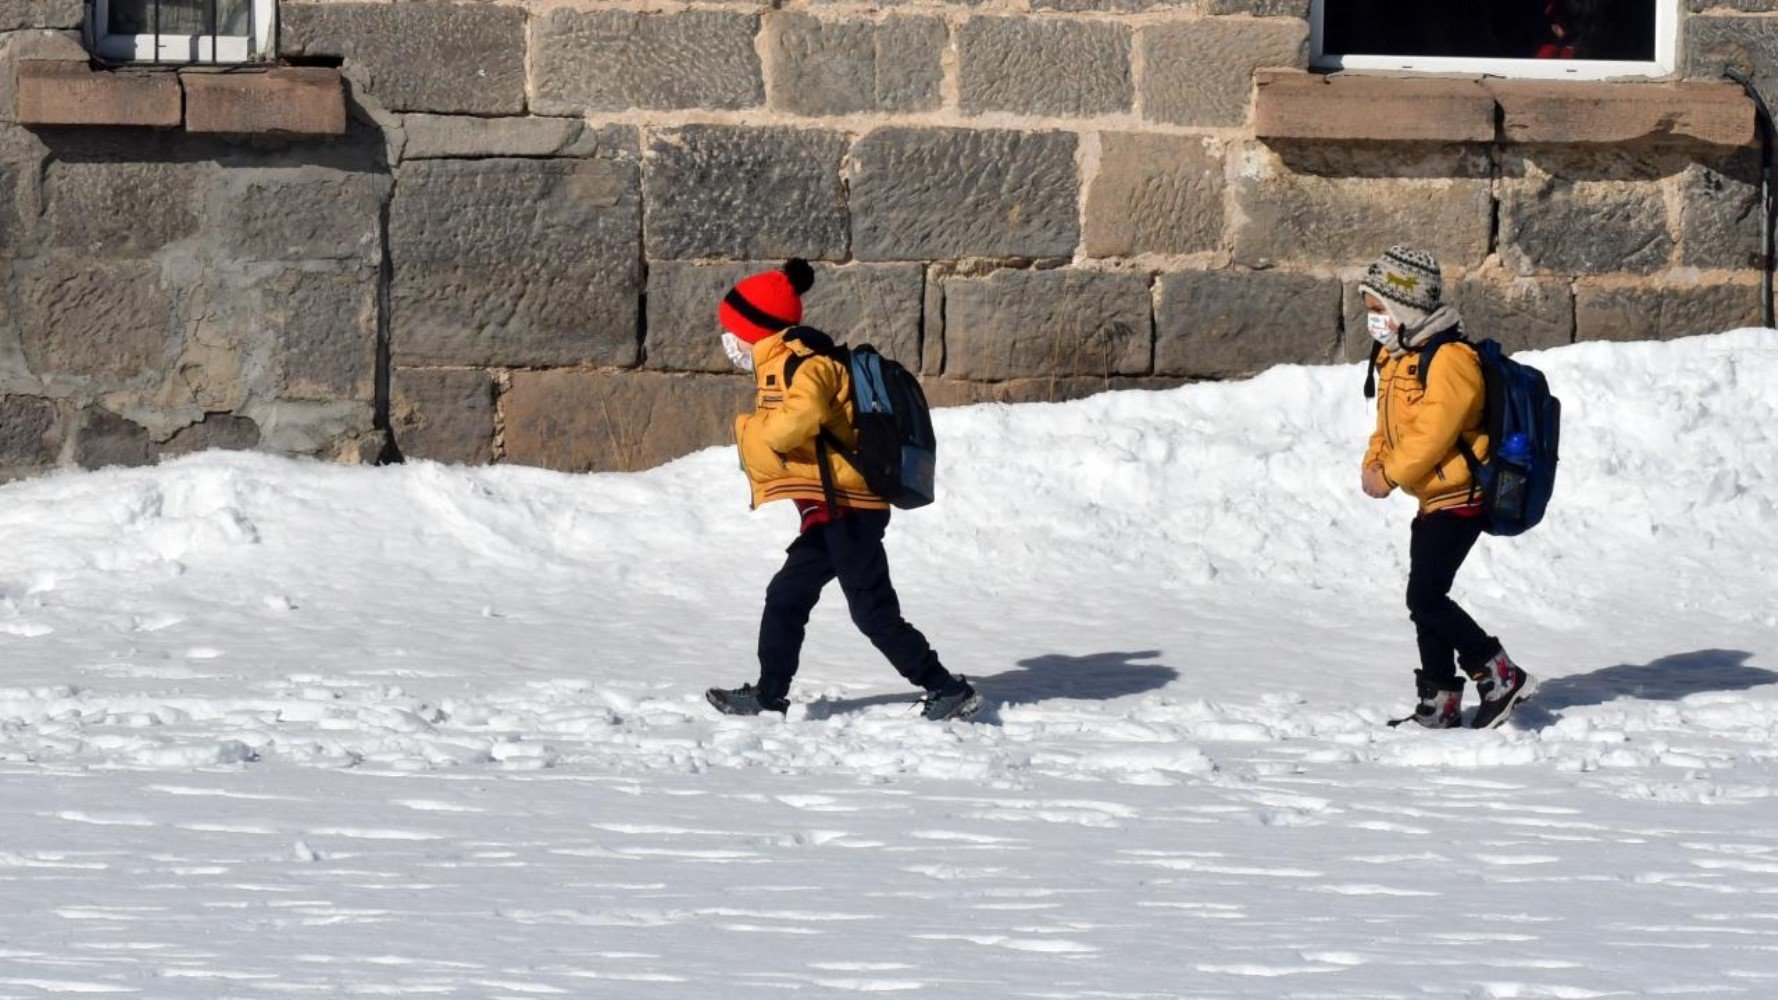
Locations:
(1499, 29)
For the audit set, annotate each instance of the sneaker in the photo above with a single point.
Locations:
(1440, 705)
(744, 700)
(956, 700)
(1502, 686)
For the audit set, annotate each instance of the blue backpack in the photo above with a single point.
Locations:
(1524, 423)
(896, 452)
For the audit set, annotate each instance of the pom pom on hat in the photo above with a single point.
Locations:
(801, 275)
(767, 303)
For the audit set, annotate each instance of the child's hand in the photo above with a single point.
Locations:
(1375, 483)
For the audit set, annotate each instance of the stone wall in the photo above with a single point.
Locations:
(515, 252)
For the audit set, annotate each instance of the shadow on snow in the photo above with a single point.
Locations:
(1093, 677)
(1668, 678)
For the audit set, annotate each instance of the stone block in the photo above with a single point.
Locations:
(1719, 213)
(1109, 7)
(956, 392)
(937, 193)
(300, 213)
(1342, 107)
(619, 421)
(1743, 6)
(16, 195)
(30, 432)
(1015, 324)
(106, 439)
(60, 92)
(120, 209)
(1219, 324)
(293, 100)
(1568, 112)
(1201, 72)
(515, 262)
(324, 328)
(1524, 314)
(1044, 67)
(1571, 213)
(418, 55)
(1747, 44)
(1259, 8)
(613, 60)
(107, 320)
(932, 328)
(1154, 194)
(879, 304)
(1346, 206)
(438, 137)
(822, 67)
(1664, 311)
(216, 432)
(17, 15)
(17, 47)
(746, 193)
(444, 415)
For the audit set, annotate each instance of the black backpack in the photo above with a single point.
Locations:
(897, 452)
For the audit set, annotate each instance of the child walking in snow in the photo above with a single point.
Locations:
(803, 393)
(1425, 420)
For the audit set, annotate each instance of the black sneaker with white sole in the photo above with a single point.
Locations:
(956, 700)
(744, 700)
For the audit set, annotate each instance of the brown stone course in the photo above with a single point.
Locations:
(1220, 324)
(296, 100)
(62, 92)
(1019, 324)
(579, 421)
(444, 415)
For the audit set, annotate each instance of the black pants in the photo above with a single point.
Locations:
(1440, 542)
(850, 550)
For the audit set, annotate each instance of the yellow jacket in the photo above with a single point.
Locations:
(1418, 427)
(777, 439)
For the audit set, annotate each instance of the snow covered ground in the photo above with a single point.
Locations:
(273, 729)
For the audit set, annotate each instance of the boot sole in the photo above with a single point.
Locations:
(1513, 701)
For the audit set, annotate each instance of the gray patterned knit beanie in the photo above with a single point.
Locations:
(1408, 282)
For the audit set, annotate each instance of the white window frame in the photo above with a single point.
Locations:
(183, 49)
(1665, 62)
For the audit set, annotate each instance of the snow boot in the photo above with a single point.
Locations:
(957, 699)
(1502, 686)
(744, 700)
(1440, 704)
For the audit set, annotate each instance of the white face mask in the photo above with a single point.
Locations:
(1381, 327)
(738, 351)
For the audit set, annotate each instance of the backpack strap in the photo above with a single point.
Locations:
(1452, 336)
(825, 462)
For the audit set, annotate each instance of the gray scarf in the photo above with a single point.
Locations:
(1411, 338)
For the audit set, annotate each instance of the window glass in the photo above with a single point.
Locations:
(1492, 29)
(179, 17)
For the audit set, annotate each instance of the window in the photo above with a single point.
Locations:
(182, 31)
(1549, 39)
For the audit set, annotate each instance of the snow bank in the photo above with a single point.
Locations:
(1134, 574)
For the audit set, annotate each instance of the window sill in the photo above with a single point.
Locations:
(1417, 108)
(277, 101)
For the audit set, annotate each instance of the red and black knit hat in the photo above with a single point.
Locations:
(767, 303)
